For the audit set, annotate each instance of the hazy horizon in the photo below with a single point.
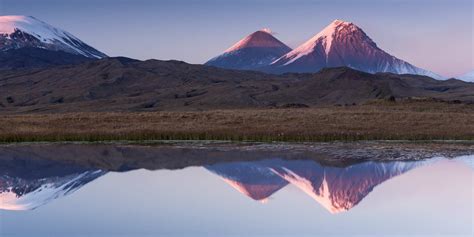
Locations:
(434, 35)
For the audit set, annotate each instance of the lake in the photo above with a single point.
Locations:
(207, 189)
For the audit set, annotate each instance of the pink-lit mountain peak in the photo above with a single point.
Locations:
(335, 27)
(253, 52)
(340, 189)
(253, 180)
(258, 192)
(338, 30)
(259, 39)
(343, 43)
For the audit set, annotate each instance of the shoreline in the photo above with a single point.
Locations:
(236, 142)
(178, 155)
(160, 138)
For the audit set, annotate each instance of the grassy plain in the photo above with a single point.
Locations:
(375, 121)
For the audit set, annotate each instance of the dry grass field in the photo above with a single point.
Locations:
(376, 121)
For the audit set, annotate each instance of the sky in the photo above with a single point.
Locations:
(433, 34)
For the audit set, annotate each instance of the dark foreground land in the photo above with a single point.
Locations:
(409, 120)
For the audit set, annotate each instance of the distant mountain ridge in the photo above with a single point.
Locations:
(339, 44)
(120, 84)
(27, 42)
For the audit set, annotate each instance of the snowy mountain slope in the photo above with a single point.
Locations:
(28, 32)
(467, 77)
(343, 44)
(256, 50)
(28, 194)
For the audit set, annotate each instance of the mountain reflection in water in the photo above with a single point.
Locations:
(28, 184)
(338, 189)
(31, 179)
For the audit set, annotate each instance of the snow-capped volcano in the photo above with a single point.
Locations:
(468, 76)
(28, 32)
(343, 44)
(257, 50)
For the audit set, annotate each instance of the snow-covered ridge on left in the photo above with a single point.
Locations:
(27, 31)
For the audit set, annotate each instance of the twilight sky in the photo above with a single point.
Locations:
(433, 34)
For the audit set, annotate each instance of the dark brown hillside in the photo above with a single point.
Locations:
(121, 84)
(38, 58)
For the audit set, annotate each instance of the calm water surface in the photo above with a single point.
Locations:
(40, 196)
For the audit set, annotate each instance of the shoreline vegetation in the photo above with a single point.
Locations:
(413, 121)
